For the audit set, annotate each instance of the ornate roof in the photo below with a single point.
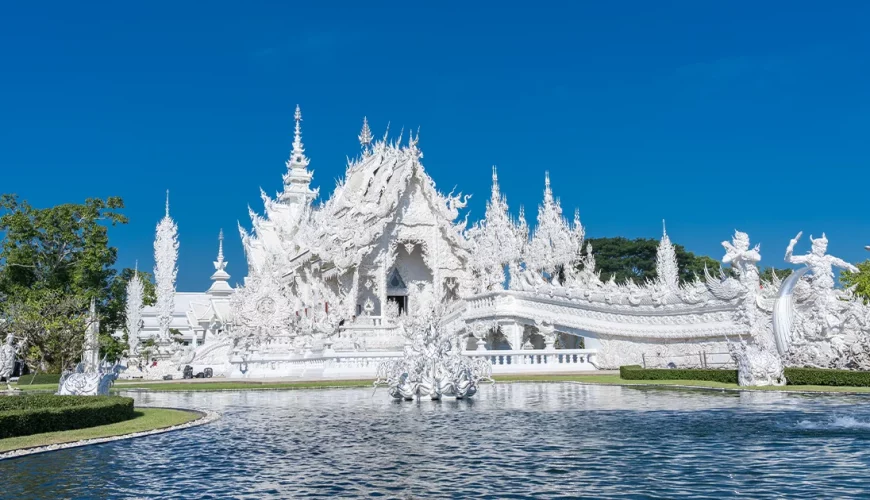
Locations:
(347, 227)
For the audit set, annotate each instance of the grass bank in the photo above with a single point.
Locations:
(237, 385)
(146, 419)
(614, 379)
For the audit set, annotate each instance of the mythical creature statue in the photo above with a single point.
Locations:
(818, 261)
(82, 382)
(816, 324)
(7, 360)
(758, 362)
(742, 259)
(756, 365)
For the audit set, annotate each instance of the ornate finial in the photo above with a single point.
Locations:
(387, 133)
(167, 203)
(220, 256)
(664, 229)
(548, 193)
(297, 138)
(412, 140)
(365, 135)
(136, 268)
(496, 193)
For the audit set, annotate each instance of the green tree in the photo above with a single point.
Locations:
(859, 280)
(767, 273)
(635, 260)
(52, 257)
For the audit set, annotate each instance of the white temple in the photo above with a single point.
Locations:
(333, 287)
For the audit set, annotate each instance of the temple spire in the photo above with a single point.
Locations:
(298, 148)
(297, 180)
(220, 256)
(220, 286)
(548, 192)
(167, 203)
(496, 193)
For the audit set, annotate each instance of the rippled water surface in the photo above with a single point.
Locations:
(511, 441)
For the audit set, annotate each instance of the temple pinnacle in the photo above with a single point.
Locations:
(167, 203)
(297, 139)
(220, 256)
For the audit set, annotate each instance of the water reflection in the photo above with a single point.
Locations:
(512, 440)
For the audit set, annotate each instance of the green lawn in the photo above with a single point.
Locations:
(224, 386)
(146, 419)
(36, 387)
(219, 385)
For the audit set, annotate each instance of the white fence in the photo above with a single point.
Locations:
(350, 365)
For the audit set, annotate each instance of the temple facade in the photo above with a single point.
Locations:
(336, 287)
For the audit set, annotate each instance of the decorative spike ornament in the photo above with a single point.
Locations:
(165, 270)
(133, 311)
(365, 136)
(666, 262)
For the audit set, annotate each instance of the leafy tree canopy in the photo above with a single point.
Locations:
(860, 280)
(635, 260)
(52, 262)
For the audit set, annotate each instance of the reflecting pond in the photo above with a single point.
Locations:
(510, 441)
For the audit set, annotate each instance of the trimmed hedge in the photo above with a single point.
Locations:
(819, 376)
(40, 378)
(636, 372)
(38, 413)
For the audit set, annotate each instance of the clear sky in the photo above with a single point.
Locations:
(712, 115)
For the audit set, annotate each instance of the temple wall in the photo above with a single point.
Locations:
(658, 353)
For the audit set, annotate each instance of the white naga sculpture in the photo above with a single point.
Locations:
(432, 366)
(91, 377)
(7, 360)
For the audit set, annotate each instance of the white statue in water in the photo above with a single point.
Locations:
(7, 360)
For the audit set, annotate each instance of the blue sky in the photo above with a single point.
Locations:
(712, 115)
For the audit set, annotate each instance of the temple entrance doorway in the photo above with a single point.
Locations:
(400, 300)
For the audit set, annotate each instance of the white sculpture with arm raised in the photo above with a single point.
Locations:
(820, 264)
(823, 326)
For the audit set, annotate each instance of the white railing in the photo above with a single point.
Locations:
(538, 360)
(351, 365)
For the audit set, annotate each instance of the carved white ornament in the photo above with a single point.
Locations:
(165, 270)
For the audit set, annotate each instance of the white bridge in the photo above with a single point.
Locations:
(363, 365)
